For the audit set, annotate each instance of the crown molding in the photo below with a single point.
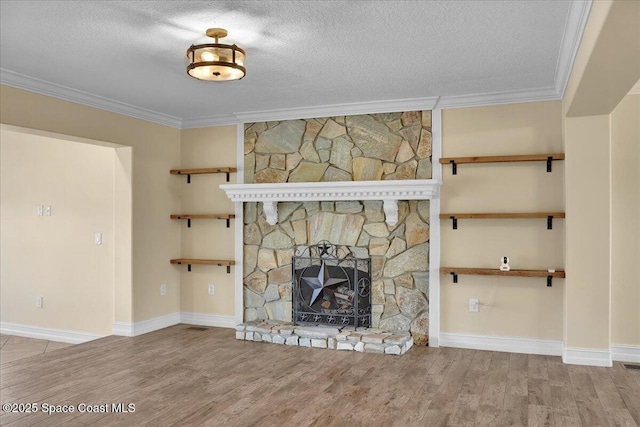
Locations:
(573, 30)
(635, 90)
(203, 122)
(373, 107)
(487, 99)
(32, 84)
(42, 87)
(370, 107)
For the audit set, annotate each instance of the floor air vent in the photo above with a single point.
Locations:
(196, 328)
(634, 367)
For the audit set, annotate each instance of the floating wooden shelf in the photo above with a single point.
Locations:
(200, 171)
(454, 161)
(189, 217)
(189, 262)
(548, 215)
(455, 271)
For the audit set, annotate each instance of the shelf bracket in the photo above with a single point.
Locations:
(188, 178)
(188, 267)
(228, 269)
(188, 222)
(228, 224)
(549, 278)
(455, 277)
(227, 176)
(455, 222)
(454, 167)
(549, 160)
(550, 222)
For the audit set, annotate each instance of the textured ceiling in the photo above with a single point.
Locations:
(299, 53)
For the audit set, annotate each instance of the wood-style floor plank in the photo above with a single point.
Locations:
(627, 384)
(540, 416)
(491, 403)
(181, 377)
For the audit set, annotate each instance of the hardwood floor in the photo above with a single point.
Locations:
(183, 377)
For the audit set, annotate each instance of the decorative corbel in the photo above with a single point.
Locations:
(270, 209)
(390, 207)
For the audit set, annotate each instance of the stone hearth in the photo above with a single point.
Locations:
(363, 340)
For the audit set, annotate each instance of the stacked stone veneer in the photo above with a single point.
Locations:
(364, 340)
(346, 148)
(365, 147)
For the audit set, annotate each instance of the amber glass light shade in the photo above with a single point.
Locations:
(216, 61)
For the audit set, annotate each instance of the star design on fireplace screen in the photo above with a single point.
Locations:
(321, 283)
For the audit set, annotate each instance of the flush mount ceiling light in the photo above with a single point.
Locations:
(215, 61)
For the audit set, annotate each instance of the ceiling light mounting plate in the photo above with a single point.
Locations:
(218, 33)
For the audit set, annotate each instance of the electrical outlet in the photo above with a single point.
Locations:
(39, 302)
(39, 210)
(212, 289)
(474, 305)
(47, 210)
(163, 289)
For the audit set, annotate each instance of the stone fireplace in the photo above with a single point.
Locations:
(359, 182)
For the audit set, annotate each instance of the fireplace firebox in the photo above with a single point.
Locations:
(331, 286)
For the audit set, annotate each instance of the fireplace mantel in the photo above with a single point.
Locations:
(388, 191)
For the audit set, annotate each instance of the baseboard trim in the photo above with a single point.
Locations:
(123, 329)
(59, 335)
(202, 319)
(625, 353)
(497, 343)
(127, 329)
(156, 323)
(587, 356)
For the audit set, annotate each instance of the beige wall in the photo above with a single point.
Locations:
(156, 150)
(625, 222)
(55, 256)
(606, 67)
(123, 229)
(208, 239)
(510, 306)
(587, 300)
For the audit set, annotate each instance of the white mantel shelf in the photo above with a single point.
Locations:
(389, 192)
